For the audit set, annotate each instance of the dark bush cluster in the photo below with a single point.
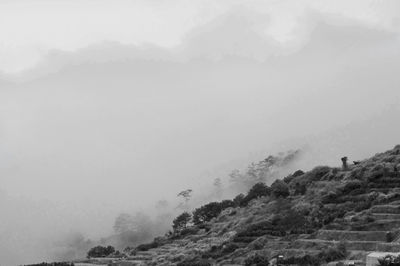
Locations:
(299, 181)
(338, 252)
(145, 247)
(389, 260)
(352, 192)
(320, 173)
(289, 178)
(299, 188)
(181, 221)
(237, 201)
(200, 216)
(326, 214)
(100, 251)
(211, 210)
(282, 224)
(280, 189)
(189, 231)
(257, 191)
(298, 173)
(353, 187)
(157, 242)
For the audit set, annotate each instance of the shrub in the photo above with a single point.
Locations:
(330, 197)
(300, 188)
(260, 229)
(298, 173)
(256, 260)
(287, 222)
(145, 247)
(181, 221)
(318, 173)
(206, 212)
(258, 190)
(353, 185)
(280, 189)
(289, 178)
(327, 214)
(100, 251)
(389, 260)
(390, 236)
(332, 254)
(189, 231)
(292, 222)
(338, 252)
(237, 201)
(227, 204)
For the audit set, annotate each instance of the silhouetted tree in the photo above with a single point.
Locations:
(185, 195)
(181, 221)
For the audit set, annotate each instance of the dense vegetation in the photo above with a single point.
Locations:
(206, 212)
(100, 251)
(181, 221)
(246, 229)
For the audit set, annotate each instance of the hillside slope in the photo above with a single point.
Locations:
(312, 218)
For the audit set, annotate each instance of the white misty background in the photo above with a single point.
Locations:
(107, 107)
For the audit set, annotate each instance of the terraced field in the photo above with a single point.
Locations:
(371, 223)
(358, 243)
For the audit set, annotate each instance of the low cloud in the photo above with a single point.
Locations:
(113, 128)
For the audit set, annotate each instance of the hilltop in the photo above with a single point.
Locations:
(310, 218)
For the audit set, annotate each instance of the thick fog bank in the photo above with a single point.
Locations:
(96, 143)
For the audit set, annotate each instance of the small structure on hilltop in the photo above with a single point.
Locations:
(373, 257)
(344, 163)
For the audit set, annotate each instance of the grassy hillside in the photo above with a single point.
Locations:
(312, 218)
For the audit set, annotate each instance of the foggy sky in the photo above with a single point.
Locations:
(109, 106)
